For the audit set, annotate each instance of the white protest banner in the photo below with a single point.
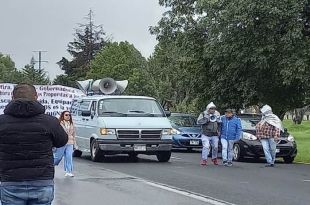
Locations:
(55, 98)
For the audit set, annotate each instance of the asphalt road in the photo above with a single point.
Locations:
(118, 181)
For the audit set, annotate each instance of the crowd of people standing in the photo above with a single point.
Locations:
(28, 137)
(228, 130)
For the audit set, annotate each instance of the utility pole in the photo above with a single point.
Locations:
(40, 61)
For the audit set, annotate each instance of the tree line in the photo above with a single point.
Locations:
(10, 74)
(236, 53)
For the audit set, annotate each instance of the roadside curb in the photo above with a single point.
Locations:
(306, 163)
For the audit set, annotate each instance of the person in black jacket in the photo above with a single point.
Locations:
(27, 137)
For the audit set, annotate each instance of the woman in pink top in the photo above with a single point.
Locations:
(67, 150)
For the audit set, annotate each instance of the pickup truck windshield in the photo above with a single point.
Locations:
(120, 107)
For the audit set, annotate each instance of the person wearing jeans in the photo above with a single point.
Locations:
(268, 130)
(230, 133)
(27, 137)
(227, 151)
(269, 147)
(206, 142)
(67, 150)
(34, 193)
(210, 124)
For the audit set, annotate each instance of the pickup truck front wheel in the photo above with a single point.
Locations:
(133, 157)
(163, 156)
(95, 152)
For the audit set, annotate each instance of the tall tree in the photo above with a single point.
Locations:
(89, 40)
(254, 52)
(257, 52)
(8, 72)
(178, 61)
(122, 61)
(177, 74)
(34, 76)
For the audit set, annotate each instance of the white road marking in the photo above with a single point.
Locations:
(192, 195)
(177, 158)
(196, 196)
(307, 180)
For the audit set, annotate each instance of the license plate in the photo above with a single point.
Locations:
(277, 150)
(194, 142)
(139, 148)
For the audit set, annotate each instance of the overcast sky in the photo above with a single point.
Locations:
(29, 25)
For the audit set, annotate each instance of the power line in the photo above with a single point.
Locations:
(40, 61)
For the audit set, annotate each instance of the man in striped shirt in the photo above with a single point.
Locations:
(268, 130)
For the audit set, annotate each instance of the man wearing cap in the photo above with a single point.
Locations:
(268, 130)
(230, 133)
(210, 122)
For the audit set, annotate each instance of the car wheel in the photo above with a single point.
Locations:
(288, 159)
(77, 153)
(95, 152)
(237, 152)
(163, 156)
(133, 157)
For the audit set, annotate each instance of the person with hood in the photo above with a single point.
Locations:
(230, 133)
(210, 122)
(268, 130)
(27, 137)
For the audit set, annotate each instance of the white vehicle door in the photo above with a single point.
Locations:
(82, 127)
(93, 119)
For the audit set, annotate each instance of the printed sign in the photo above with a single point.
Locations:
(55, 98)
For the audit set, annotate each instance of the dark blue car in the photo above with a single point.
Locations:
(186, 133)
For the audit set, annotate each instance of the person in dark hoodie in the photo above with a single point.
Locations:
(27, 137)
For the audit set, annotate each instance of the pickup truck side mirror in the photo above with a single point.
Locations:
(168, 113)
(86, 113)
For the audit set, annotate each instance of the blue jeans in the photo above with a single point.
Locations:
(269, 146)
(227, 150)
(26, 195)
(206, 141)
(66, 152)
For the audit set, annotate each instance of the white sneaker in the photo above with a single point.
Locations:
(70, 175)
(66, 174)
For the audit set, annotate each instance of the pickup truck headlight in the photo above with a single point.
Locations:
(290, 138)
(248, 136)
(167, 131)
(175, 132)
(105, 131)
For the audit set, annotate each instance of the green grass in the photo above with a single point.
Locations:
(302, 137)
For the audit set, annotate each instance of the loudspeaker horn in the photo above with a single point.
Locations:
(121, 86)
(85, 85)
(106, 86)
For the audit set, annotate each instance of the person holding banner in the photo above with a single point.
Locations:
(67, 150)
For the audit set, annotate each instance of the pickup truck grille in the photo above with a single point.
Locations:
(139, 134)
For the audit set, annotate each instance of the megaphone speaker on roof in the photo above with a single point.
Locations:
(105, 86)
(85, 85)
